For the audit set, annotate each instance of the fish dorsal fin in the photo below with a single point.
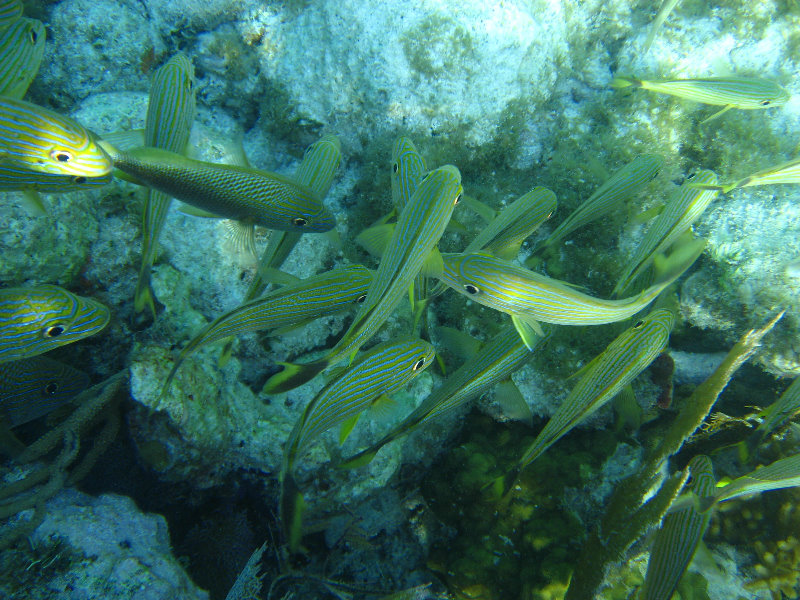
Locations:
(459, 343)
(375, 239)
(528, 329)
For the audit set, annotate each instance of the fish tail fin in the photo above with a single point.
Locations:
(362, 459)
(498, 488)
(171, 376)
(227, 351)
(294, 375)
(292, 506)
(144, 296)
(619, 82)
(669, 268)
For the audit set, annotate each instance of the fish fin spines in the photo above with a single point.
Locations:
(293, 375)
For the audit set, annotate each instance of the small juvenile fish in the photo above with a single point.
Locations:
(530, 297)
(42, 140)
(503, 237)
(37, 319)
(408, 170)
(605, 376)
(35, 386)
(623, 184)
(21, 53)
(416, 234)
(250, 195)
(493, 363)
(788, 172)
(683, 209)
(678, 537)
(309, 299)
(10, 11)
(747, 93)
(379, 371)
(168, 123)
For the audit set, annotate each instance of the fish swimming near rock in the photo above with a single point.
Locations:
(37, 319)
(21, 52)
(381, 370)
(504, 354)
(292, 305)
(749, 93)
(42, 140)
(606, 375)
(416, 234)
(251, 196)
(408, 170)
(788, 172)
(10, 12)
(680, 211)
(33, 387)
(170, 114)
(623, 184)
(32, 183)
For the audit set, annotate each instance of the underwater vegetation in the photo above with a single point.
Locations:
(349, 294)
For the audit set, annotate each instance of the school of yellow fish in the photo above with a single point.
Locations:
(45, 152)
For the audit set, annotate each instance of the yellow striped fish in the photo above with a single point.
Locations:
(37, 319)
(623, 184)
(605, 376)
(775, 416)
(15, 178)
(309, 299)
(502, 355)
(748, 93)
(416, 234)
(33, 387)
(21, 53)
(170, 115)
(35, 138)
(503, 237)
(408, 170)
(249, 195)
(530, 297)
(379, 371)
(678, 537)
(788, 172)
(683, 209)
(10, 11)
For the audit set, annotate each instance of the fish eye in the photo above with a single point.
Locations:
(394, 168)
(50, 389)
(638, 324)
(471, 289)
(419, 364)
(79, 179)
(300, 222)
(53, 331)
(34, 36)
(361, 298)
(765, 102)
(458, 199)
(63, 156)
(690, 176)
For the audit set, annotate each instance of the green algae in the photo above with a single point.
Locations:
(438, 44)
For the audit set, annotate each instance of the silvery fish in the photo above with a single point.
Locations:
(21, 53)
(170, 115)
(530, 297)
(418, 230)
(37, 319)
(730, 92)
(788, 172)
(502, 355)
(10, 11)
(379, 371)
(35, 386)
(605, 376)
(309, 299)
(408, 170)
(623, 184)
(252, 196)
(683, 209)
(678, 537)
(35, 138)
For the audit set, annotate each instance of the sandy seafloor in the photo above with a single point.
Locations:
(516, 94)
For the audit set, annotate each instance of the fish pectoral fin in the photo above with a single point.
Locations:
(668, 268)
(123, 140)
(347, 427)
(333, 237)
(32, 202)
(227, 351)
(382, 406)
(276, 276)
(646, 215)
(508, 251)
(375, 239)
(459, 343)
(433, 265)
(243, 236)
(717, 114)
(455, 226)
(193, 211)
(119, 174)
(528, 330)
(509, 397)
(483, 210)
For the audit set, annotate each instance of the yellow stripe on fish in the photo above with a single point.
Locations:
(416, 234)
(408, 170)
(614, 368)
(678, 537)
(39, 139)
(249, 195)
(15, 178)
(37, 319)
(683, 209)
(170, 115)
(788, 172)
(317, 296)
(623, 184)
(10, 11)
(381, 370)
(33, 387)
(748, 93)
(494, 362)
(21, 53)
